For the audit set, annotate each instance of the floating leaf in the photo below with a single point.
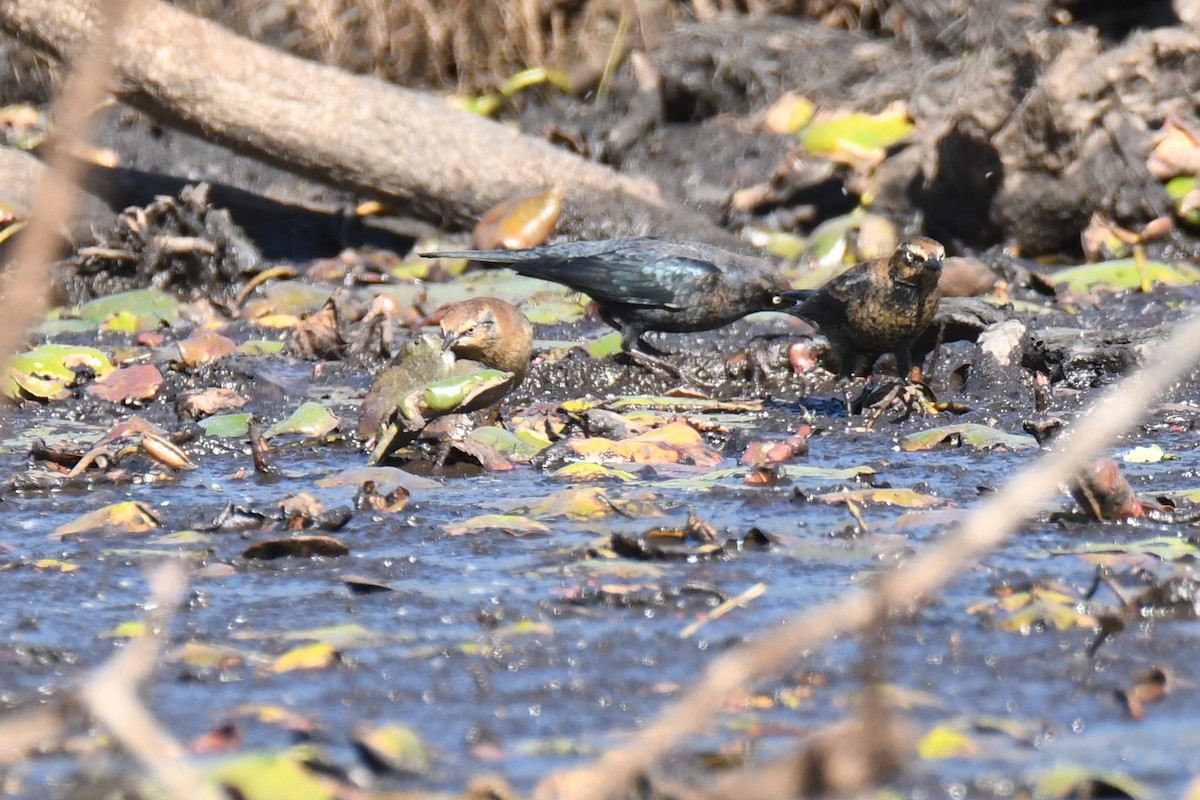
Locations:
(588, 471)
(1041, 605)
(272, 776)
(672, 443)
(1125, 273)
(226, 425)
(317, 655)
(946, 741)
(1166, 548)
(519, 223)
(48, 371)
(968, 434)
(261, 347)
(856, 138)
(451, 394)
(386, 479)
(129, 385)
(505, 523)
(392, 748)
(1148, 454)
(508, 444)
(53, 563)
(1070, 781)
(129, 516)
(905, 498)
(310, 419)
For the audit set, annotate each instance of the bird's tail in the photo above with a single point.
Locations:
(484, 256)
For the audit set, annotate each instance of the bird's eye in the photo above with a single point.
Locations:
(777, 300)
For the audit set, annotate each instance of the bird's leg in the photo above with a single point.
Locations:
(910, 392)
(653, 363)
(646, 347)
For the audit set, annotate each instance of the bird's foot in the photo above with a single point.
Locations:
(655, 364)
(908, 395)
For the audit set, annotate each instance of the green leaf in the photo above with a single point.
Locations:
(226, 425)
(1124, 274)
(131, 312)
(856, 137)
(261, 347)
(1070, 780)
(272, 776)
(968, 434)
(47, 371)
(310, 419)
(1148, 454)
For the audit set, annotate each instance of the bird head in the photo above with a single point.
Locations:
(917, 259)
(490, 331)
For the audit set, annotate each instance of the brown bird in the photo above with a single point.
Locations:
(875, 307)
(492, 343)
(648, 284)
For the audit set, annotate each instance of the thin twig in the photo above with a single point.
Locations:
(982, 531)
(110, 695)
(26, 282)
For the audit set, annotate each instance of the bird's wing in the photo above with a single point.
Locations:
(846, 286)
(632, 279)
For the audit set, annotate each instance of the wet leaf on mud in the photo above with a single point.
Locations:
(310, 419)
(673, 443)
(204, 346)
(518, 223)
(667, 403)
(317, 655)
(776, 451)
(1165, 548)
(128, 385)
(1069, 781)
(590, 471)
(508, 444)
(966, 434)
(1148, 454)
(605, 346)
(394, 749)
(856, 138)
(451, 394)
(510, 524)
(47, 372)
(296, 547)
(131, 312)
(54, 563)
(386, 479)
(272, 775)
(226, 425)
(130, 629)
(130, 516)
(199, 403)
(789, 114)
(293, 298)
(1043, 605)
(904, 498)
(791, 471)
(1125, 273)
(553, 310)
(781, 244)
(591, 503)
(261, 347)
(206, 655)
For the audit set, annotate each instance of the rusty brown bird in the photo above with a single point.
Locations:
(492, 343)
(875, 307)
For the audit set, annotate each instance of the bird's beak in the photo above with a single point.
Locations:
(934, 264)
(449, 340)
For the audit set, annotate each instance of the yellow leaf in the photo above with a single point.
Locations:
(129, 516)
(946, 742)
(317, 655)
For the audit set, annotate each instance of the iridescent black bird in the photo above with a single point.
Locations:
(875, 307)
(648, 284)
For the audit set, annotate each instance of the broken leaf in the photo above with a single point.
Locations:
(47, 372)
(673, 443)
